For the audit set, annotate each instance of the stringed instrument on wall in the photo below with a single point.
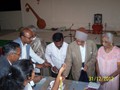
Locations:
(40, 22)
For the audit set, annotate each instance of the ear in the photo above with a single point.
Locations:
(28, 77)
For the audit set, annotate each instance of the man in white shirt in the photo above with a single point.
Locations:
(56, 52)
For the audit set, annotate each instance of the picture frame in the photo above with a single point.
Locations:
(98, 18)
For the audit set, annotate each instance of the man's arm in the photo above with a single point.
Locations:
(35, 57)
(97, 69)
(48, 55)
(68, 62)
(92, 60)
(57, 81)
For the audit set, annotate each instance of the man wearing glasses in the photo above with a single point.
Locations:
(25, 38)
(12, 52)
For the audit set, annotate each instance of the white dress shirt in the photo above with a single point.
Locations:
(56, 56)
(33, 55)
(83, 52)
(28, 87)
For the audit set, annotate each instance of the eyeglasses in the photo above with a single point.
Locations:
(30, 38)
(17, 54)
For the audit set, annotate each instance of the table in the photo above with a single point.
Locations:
(69, 84)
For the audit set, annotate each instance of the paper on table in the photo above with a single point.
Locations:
(51, 85)
(94, 85)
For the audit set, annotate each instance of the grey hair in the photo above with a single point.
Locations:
(109, 36)
(10, 48)
(32, 28)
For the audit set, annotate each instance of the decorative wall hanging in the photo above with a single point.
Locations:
(97, 26)
(40, 22)
(98, 18)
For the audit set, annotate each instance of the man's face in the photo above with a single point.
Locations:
(28, 37)
(59, 44)
(15, 56)
(80, 42)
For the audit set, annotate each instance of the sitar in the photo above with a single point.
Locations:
(40, 22)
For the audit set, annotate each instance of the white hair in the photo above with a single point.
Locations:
(109, 36)
(32, 28)
(81, 35)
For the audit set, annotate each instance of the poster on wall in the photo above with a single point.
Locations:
(10, 5)
(98, 18)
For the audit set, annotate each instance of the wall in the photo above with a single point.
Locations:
(47, 36)
(10, 20)
(60, 13)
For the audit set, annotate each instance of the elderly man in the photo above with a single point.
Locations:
(12, 52)
(81, 57)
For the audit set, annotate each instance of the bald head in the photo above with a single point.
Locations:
(25, 31)
(26, 35)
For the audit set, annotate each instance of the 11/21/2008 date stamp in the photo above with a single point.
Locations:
(99, 79)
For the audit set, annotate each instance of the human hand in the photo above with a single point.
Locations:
(39, 65)
(37, 78)
(62, 68)
(101, 80)
(85, 68)
(47, 64)
(54, 69)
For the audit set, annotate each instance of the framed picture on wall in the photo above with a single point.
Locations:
(98, 18)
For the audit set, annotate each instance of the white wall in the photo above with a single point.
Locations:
(59, 13)
(10, 20)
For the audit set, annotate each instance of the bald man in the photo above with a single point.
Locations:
(81, 56)
(25, 38)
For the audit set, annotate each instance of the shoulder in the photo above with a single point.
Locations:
(4, 66)
(38, 38)
(17, 40)
(101, 49)
(50, 45)
(3, 60)
(73, 43)
(65, 44)
(117, 49)
(90, 41)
